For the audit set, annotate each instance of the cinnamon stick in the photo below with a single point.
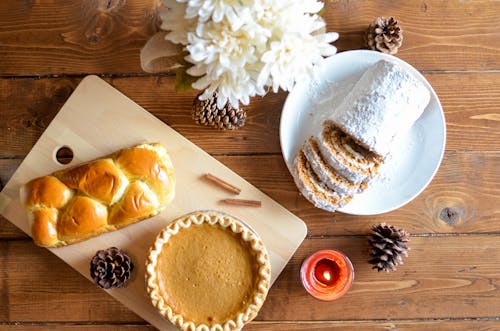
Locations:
(223, 184)
(241, 202)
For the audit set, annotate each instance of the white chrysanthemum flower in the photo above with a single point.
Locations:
(233, 87)
(173, 20)
(298, 49)
(234, 11)
(294, 58)
(310, 6)
(226, 60)
(286, 16)
(240, 47)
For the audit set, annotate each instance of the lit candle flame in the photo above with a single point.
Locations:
(327, 275)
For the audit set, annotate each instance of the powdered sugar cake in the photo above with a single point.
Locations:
(325, 173)
(384, 103)
(402, 177)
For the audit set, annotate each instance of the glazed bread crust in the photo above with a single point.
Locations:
(99, 196)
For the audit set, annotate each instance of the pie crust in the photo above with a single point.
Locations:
(157, 282)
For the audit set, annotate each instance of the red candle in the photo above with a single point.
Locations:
(327, 274)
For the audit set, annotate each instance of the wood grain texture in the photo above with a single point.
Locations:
(50, 37)
(458, 280)
(4, 275)
(442, 325)
(30, 105)
(7, 229)
(75, 327)
(376, 326)
(52, 293)
(98, 120)
(460, 199)
(10, 231)
(438, 35)
(453, 276)
(450, 280)
(471, 109)
(98, 36)
(469, 101)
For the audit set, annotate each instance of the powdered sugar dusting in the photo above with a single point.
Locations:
(399, 160)
(327, 97)
(383, 103)
(415, 156)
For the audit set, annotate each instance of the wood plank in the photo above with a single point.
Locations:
(442, 325)
(438, 35)
(452, 277)
(376, 325)
(29, 106)
(10, 231)
(55, 37)
(98, 120)
(43, 286)
(443, 277)
(461, 198)
(7, 229)
(469, 102)
(77, 327)
(71, 37)
(4, 273)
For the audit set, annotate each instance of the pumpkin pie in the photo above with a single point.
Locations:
(208, 271)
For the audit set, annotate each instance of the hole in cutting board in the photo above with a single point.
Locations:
(64, 155)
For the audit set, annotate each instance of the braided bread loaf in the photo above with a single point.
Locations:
(103, 195)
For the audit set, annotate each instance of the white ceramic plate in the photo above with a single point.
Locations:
(415, 156)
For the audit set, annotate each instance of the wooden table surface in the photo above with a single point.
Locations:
(451, 279)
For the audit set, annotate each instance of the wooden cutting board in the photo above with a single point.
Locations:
(97, 120)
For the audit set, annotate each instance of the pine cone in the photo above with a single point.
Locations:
(385, 35)
(111, 268)
(228, 118)
(389, 245)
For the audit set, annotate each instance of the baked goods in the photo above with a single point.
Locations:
(326, 173)
(343, 154)
(313, 189)
(207, 271)
(386, 101)
(354, 141)
(103, 195)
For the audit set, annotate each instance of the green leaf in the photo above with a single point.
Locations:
(183, 80)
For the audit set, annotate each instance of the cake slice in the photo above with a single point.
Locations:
(346, 156)
(327, 174)
(313, 189)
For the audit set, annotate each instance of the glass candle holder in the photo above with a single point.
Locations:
(327, 274)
